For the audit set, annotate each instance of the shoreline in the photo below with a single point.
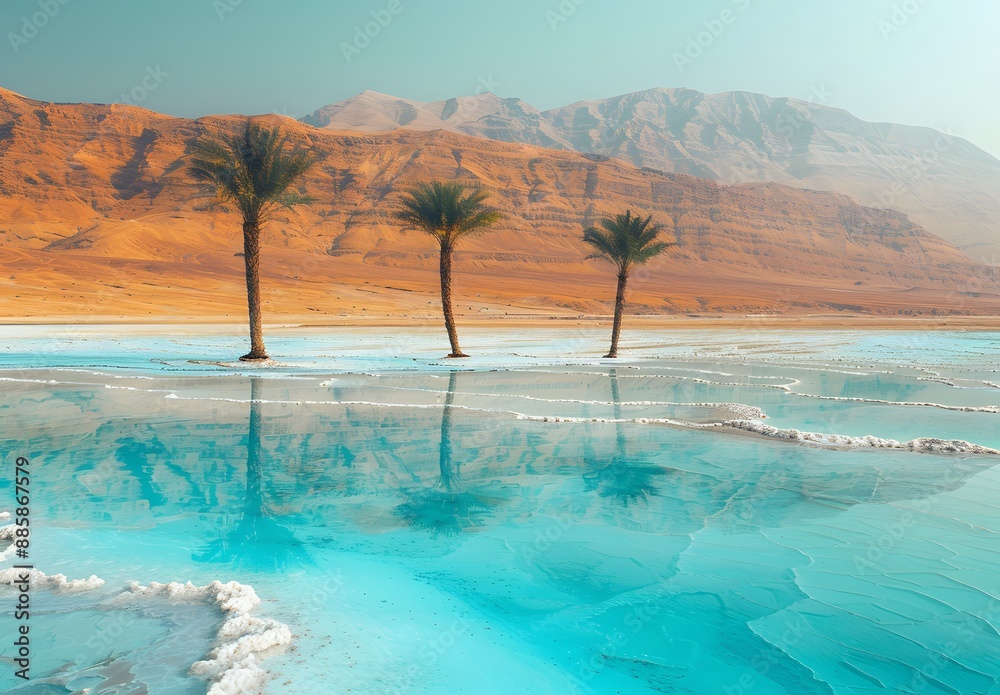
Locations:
(540, 321)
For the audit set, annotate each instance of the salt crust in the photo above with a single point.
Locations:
(231, 668)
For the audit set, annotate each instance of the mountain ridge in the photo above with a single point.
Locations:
(946, 183)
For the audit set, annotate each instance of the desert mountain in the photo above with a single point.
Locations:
(99, 216)
(946, 184)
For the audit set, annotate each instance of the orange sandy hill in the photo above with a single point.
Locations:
(99, 217)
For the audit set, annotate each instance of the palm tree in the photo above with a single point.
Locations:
(626, 241)
(253, 169)
(448, 214)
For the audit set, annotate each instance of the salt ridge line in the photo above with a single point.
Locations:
(857, 371)
(951, 381)
(172, 395)
(648, 375)
(868, 371)
(56, 582)
(849, 362)
(927, 445)
(87, 371)
(739, 408)
(789, 389)
(813, 366)
(56, 382)
(231, 667)
(783, 387)
(923, 445)
(241, 368)
(758, 413)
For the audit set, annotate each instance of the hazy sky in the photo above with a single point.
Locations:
(918, 62)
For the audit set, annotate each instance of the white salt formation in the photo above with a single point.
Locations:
(922, 445)
(55, 582)
(231, 668)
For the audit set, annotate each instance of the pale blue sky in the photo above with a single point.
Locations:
(935, 63)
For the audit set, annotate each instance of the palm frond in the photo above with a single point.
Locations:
(447, 211)
(253, 168)
(625, 240)
(293, 198)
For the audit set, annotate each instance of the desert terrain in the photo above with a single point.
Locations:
(100, 221)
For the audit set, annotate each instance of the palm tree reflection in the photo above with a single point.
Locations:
(625, 479)
(258, 541)
(447, 508)
(138, 458)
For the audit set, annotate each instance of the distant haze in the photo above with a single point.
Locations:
(946, 184)
(915, 62)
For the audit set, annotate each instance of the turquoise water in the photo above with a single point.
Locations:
(530, 524)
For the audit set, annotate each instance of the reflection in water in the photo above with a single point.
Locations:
(724, 551)
(259, 541)
(449, 473)
(138, 459)
(625, 479)
(446, 509)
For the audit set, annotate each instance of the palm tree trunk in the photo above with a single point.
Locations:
(449, 317)
(616, 329)
(444, 452)
(251, 257)
(616, 397)
(253, 504)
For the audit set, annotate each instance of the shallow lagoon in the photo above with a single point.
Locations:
(521, 525)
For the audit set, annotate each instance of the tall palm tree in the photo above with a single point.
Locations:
(626, 241)
(253, 169)
(449, 212)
